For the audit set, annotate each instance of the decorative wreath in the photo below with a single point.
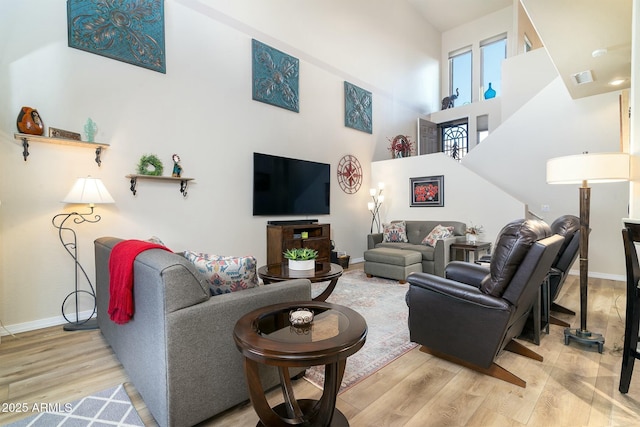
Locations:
(150, 160)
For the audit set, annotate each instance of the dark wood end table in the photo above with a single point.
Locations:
(465, 247)
(324, 271)
(266, 336)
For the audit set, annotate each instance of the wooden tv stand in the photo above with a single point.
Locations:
(283, 237)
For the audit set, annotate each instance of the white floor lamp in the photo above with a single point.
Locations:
(584, 169)
(85, 191)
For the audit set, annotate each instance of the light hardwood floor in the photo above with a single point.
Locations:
(574, 386)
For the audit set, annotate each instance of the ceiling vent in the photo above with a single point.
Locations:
(583, 77)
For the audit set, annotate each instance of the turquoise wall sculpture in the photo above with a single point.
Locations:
(275, 77)
(357, 108)
(130, 31)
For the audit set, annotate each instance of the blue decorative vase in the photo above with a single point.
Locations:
(490, 93)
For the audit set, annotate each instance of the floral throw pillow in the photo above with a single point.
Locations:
(439, 232)
(395, 232)
(225, 274)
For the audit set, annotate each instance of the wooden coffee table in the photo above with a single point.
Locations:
(266, 336)
(324, 271)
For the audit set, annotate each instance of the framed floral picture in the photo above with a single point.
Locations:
(427, 191)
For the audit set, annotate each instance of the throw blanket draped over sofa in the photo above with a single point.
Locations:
(178, 348)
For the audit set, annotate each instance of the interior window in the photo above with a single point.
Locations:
(454, 136)
(492, 52)
(460, 63)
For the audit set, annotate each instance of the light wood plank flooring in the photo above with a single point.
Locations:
(574, 386)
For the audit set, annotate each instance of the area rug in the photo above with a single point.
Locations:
(110, 407)
(381, 302)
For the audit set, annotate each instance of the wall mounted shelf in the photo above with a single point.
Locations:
(183, 181)
(26, 138)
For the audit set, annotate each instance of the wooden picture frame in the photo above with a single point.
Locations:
(427, 191)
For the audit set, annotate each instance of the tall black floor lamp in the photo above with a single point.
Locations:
(584, 169)
(85, 191)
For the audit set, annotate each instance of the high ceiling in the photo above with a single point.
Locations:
(571, 31)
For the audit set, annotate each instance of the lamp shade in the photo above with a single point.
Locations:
(88, 190)
(591, 167)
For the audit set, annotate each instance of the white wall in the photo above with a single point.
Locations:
(467, 196)
(202, 110)
(472, 34)
(550, 125)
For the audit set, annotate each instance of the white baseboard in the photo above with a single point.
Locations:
(39, 324)
(596, 275)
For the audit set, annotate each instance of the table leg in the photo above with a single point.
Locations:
(297, 412)
(325, 294)
(258, 399)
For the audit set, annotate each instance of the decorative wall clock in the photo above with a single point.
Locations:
(349, 174)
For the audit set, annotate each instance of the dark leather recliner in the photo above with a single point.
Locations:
(567, 226)
(474, 312)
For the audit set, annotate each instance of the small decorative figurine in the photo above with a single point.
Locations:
(29, 121)
(90, 129)
(177, 169)
(447, 101)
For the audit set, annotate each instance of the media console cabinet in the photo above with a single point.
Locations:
(312, 236)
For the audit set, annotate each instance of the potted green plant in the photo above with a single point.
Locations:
(301, 258)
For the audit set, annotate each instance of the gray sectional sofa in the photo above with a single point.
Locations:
(178, 350)
(433, 260)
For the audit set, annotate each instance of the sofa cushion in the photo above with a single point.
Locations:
(427, 252)
(439, 232)
(395, 232)
(225, 273)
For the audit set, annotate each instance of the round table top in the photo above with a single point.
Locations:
(267, 336)
(279, 272)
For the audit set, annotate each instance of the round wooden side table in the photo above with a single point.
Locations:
(266, 336)
(323, 271)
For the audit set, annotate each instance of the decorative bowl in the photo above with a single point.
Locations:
(300, 316)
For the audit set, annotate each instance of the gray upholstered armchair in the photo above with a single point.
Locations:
(474, 312)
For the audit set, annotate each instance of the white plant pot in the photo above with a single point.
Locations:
(472, 238)
(308, 264)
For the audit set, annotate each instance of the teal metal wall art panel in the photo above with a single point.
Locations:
(275, 76)
(130, 31)
(357, 108)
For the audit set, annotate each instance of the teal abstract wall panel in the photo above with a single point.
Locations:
(357, 108)
(130, 31)
(275, 77)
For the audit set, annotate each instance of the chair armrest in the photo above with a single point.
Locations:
(373, 240)
(466, 272)
(461, 292)
(442, 254)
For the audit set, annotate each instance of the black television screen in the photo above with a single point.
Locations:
(284, 186)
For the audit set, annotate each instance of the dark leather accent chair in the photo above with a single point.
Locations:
(474, 312)
(631, 236)
(567, 226)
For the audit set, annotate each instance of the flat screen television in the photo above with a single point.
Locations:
(284, 186)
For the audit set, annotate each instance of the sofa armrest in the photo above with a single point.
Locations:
(204, 365)
(442, 254)
(373, 240)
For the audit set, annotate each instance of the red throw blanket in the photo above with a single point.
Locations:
(121, 261)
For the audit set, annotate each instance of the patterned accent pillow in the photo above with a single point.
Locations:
(395, 232)
(439, 232)
(225, 274)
